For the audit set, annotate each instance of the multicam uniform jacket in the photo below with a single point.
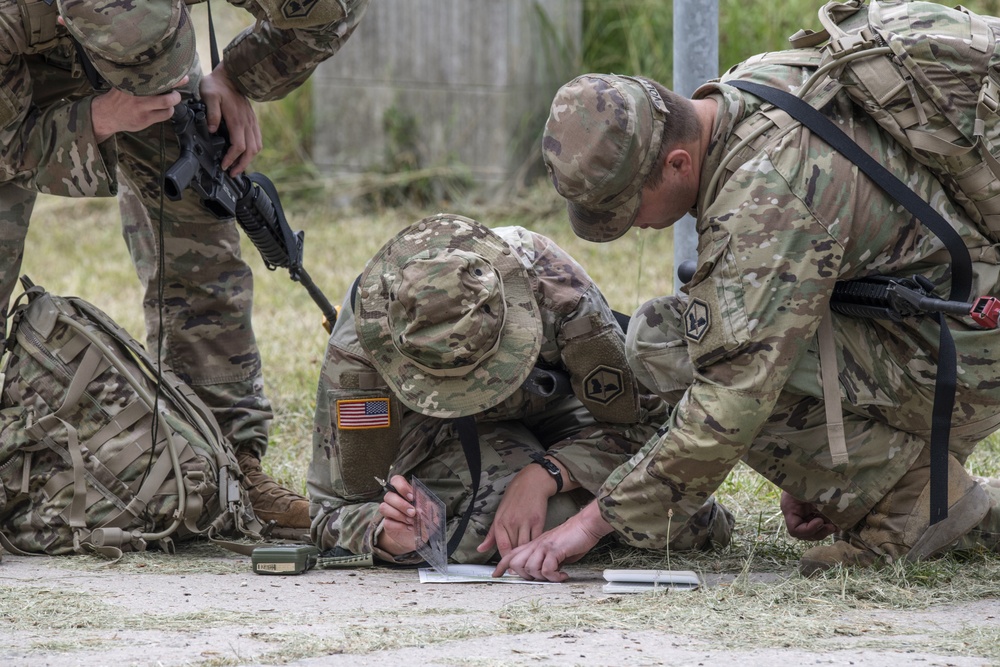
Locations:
(341, 481)
(788, 220)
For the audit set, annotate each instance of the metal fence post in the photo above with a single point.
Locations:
(696, 60)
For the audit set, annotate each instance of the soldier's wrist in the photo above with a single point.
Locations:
(550, 468)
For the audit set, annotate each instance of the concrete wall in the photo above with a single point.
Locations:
(477, 77)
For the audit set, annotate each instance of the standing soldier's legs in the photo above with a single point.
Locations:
(205, 309)
(67, 173)
(16, 205)
(15, 211)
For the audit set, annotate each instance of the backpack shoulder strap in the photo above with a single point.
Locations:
(961, 260)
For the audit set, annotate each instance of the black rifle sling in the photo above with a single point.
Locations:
(961, 269)
(622, 319)
(468, 435)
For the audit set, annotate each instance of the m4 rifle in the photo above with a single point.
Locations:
(252, 199)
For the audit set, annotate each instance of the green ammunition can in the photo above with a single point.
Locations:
(284, 558)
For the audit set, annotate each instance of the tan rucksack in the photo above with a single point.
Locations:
(79, 470)
(928, 74)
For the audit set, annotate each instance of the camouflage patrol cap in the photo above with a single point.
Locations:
(600, 142)
(143, 48)
(447, 313)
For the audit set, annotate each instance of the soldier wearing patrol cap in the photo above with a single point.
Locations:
(447, 322)
(779, 224)
(84, 88)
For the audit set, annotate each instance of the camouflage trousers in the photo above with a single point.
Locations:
(792, 448)
(207, 288)
(431, 451)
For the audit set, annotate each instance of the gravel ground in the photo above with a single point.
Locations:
(212, 610)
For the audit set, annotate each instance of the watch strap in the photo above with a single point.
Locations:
(550, 467)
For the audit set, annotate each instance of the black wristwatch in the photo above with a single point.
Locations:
(550, 467)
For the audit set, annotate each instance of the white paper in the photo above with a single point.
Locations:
(644, 581)
(481, 574)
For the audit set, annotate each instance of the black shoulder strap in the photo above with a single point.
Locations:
(468, 435)
(823, 127)
(961, 268)
(97, 82)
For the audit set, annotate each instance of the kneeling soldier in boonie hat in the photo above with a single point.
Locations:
(447, 322)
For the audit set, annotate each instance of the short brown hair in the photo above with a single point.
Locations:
(681, 126)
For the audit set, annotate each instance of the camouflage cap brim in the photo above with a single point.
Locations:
(603, 226)
(443, 393)
(601, 140)
(145, 49)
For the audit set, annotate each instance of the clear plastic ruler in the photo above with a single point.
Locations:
(431, 521)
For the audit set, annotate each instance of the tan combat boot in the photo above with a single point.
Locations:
(898, 527)
(987, 534)
(272, 502)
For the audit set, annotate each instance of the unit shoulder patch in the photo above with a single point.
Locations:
(697, 320)
(297, 9)
(603, 385)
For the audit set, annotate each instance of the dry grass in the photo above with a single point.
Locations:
(63, 609)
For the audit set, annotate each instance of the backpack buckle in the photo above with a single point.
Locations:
(989, 95)
(849, 44)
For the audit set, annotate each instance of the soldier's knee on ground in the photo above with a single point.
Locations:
(987, 534)
(562, 506)
(711, 527)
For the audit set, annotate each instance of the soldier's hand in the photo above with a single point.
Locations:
(803, 520)
(542, 558)
(520, 517)
(224, 102)
(117, 111)
(399, 525)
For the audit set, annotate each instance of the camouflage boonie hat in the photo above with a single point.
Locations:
(143, 47)
(600, 142)
(447, 313)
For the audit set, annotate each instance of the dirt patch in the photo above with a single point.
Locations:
(205, 607)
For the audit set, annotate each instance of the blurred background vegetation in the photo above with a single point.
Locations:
(623, 36)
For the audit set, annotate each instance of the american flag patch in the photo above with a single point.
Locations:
(363, 413)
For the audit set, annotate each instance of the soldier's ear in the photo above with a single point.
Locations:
(679, 161)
